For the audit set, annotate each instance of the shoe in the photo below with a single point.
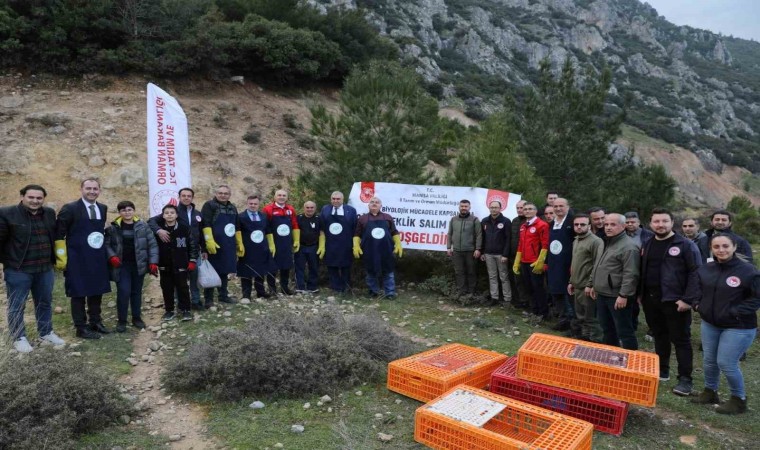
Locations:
(287, 291)
(22, 345)
(138, 323)
(197, 307)
(53, 338)
(734, 405)
(168, 316)
(228, 300)
(99, 327)
(313, 291)
(186, 316)
(562, 325)
(208, 304)
(664, 376)
(301, 291)
(390, 296)
(121, 327)
(85, 333)
(263, 295)
(371, 294)
(707, 397)
(684, 387)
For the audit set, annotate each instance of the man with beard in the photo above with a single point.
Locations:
(721, 221)
(587, 249)
(669, 285)
(464, 243)
(597, 215)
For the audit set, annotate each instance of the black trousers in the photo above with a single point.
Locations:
(669, 327)
(79, 313)
(171, 281)
(248, 284)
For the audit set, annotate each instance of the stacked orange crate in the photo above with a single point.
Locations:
(603, 370)
(429, 374)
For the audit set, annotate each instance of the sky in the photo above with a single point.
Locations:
(739, 18)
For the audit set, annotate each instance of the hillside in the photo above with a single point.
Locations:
(54, 131)
(686, 86)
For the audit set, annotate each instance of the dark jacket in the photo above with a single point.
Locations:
(617, 272)
(310, 228)
(15, 228)
(678, 272)
(71, 213)
(195, 226)
(703, 244)
(146, 248)
(496, 235)
(515, 241)
(180, 250)
(729, 294)
(742, 246)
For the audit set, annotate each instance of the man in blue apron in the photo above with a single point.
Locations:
(223, 239)
(561, 238)
(376, 240)
(339, 222)
(80, 253)
(257, 262)
(285, 238)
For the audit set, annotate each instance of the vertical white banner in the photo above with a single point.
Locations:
(168, 150)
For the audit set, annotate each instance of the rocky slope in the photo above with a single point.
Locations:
(55, 131)
(687, 86)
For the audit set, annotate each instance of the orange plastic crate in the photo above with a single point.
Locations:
(466, 418)
(427, 375)
(603, 370)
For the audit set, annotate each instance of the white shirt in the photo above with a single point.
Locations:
(87, 208)
(558, 225)
(339, 212)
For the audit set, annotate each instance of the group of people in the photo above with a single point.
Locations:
(255, 244)
(593, 272)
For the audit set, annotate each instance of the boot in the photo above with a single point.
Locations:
(734, 405)
(707, 397)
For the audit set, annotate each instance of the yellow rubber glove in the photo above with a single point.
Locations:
(357, 247)
(296, 240)
(60, 255)
(321, 246)
(397, 249)
(270, 241)
(516, 265)
(239, 242)
(211, 245)
(538, 266)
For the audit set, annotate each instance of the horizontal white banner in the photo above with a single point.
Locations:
(422, 213)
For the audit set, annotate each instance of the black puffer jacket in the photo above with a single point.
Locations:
(729, 294)
(146, 248)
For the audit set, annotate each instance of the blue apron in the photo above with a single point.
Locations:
(225, 260)
(257, 261)
(283, 242)
(559, 258)
(338, 241)
(377, 246)
(87, 269)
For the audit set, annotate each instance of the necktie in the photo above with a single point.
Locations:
(93, 216)
(335, 211)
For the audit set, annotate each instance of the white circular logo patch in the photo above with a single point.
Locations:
(229, 229)
(555, 247)
(500, 226)
(532, 229)
(733, 281)
(198, 218)
(283, 230)
(674, 251)
(257, 237)
(336, 228)
(95, 239)
(378, 233)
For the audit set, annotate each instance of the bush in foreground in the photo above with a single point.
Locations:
(48, 397)
(290, 355)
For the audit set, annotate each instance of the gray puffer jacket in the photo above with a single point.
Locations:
(146, 247)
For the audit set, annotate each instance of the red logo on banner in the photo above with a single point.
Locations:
(163, 198)
(367, 191)
(497, 196)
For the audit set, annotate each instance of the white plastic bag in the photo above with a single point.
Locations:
(207, 276)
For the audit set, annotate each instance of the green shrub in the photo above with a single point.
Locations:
(252, 136)
(289, 355)
(48, 397)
